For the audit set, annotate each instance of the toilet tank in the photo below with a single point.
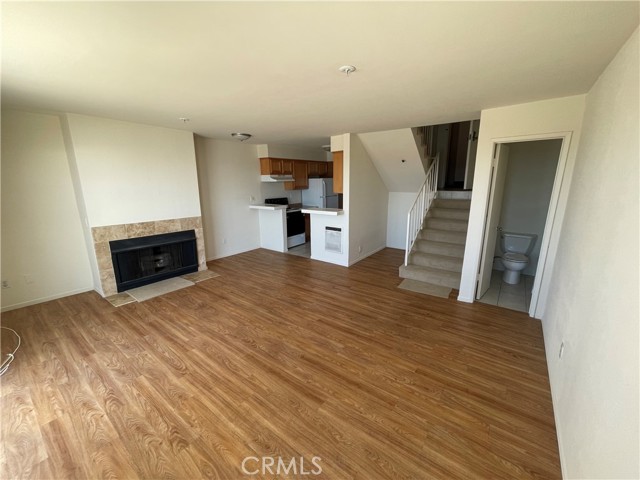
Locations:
(517, 242)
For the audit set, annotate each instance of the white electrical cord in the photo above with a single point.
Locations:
(10, 356)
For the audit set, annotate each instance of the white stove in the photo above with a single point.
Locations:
(295, 222)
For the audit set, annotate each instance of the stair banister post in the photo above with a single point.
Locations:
(406, 252)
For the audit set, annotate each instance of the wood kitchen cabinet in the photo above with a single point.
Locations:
(312, 169)
(301, 170)
(276, 166)
(300, 176)
(337, 172)
(323, 169)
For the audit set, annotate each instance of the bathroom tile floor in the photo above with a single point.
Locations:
(513, 297)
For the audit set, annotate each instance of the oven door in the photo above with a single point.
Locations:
(295, 229)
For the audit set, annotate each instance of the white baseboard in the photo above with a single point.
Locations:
(368, 254)
(56, 296)
(462, 298)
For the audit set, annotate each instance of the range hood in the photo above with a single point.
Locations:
(276, 178)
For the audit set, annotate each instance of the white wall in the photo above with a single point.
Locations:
(320, 222)
(593, 300)
(386, 150)
(318, 225)
(42, 236)
(291, 151)
(399, 205)
(545, 117)
(368, 203)
(134, 173)
(82, 207)
(531, 170)
(276, 189)
(229, 177)
(229, 181)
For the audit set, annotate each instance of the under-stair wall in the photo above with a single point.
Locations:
(396, 156)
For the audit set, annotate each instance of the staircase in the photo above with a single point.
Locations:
(436, 256)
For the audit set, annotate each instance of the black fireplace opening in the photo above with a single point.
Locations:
(144, 260)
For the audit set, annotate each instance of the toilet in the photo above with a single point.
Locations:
(516, 248)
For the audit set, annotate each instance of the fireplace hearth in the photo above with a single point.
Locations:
(144, 260)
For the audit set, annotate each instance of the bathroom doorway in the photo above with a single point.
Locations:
(525, 181)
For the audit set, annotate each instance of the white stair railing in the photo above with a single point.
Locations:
(419, 209)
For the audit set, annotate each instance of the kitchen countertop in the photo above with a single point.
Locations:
(322, 211)
(303, 208)
(263, 206)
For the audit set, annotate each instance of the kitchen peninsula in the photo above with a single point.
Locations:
(325, 235)
(273, 226)
(318, 218)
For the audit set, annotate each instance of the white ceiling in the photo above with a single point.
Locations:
(271, 69)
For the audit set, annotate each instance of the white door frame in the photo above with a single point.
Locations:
(547, 255)
(469, 169)
(499, 164)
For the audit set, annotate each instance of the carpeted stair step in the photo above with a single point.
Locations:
(441, 262)
(431, 275)
(456, 213)
(449, 224)
(447, 203)
(455, 194)
(439, 248)
(443, 236)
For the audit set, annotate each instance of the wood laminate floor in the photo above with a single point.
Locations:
(280, 356)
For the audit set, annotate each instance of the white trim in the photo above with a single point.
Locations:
(367, 255)
(546, 259)
(465, 299)
(547, 254)
(28, 303)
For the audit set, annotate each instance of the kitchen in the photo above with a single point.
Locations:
(312, 188)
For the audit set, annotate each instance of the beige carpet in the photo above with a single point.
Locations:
(425, 288)
(159, 288)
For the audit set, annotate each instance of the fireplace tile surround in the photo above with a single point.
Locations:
(103, 235)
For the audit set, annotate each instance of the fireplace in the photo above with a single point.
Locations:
(143, 260)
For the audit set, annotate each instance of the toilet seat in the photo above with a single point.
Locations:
(515, 257)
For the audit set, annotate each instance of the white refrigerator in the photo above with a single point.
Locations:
(320, 194)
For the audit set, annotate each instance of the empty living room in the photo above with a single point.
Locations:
(260, 240)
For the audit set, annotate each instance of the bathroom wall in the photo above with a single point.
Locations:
(531, 171)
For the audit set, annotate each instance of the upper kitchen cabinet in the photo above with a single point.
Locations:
(312, 168)
(301, 170)
(337, 172)
(323, 169)
(320, 169)
(300, 176)
(276, 166)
